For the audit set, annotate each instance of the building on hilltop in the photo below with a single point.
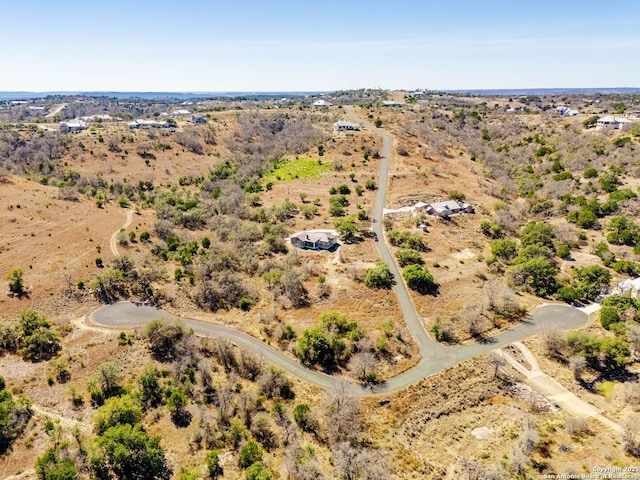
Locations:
(322, 103)
(72, 126)
(613, 123)
(344, 125)
(140, 123)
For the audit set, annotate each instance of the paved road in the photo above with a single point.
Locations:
(128, 314)
(434, 356)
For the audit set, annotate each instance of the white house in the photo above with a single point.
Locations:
(314, 240)
(391, 103)
(630, 288)
(344, 125)
(180, 113)
(140, 123)
(444, 209)
(613, 123)
(322, 103)
(72, 126)
(634, 115)
(566, 111)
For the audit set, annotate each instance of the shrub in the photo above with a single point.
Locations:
(505, 249)
(163, 338)
(378, 277)
(457, 195)
(117, 411)
(609, 316)
(302, 416)
(408, 256)
(344, 189)
(212, 461)
(250, 454)
(419, 279)
(590, 173)
(16, 282)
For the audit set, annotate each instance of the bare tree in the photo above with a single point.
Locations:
(361, 463)
(364, 364)
(578, 364)
(576, 426)
(553, 343)
(495, 362)
(342, 417)
(631, 436)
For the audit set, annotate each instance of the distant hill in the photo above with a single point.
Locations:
(549, 91)
(153, 95)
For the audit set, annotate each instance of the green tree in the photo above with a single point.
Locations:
(56, 464)
(250, 454)
(378, 277)
(408, 256)
(347, 228)
(30, 321)
(505, 249)
(615, 353)
(302, 416)
(42, 344)
(14, 416)
(212, 461)
(314, 347)
(419, 279)
(117, 411)
(151, 388)
(377, 122)
(258, 471)
(16, 282)
(592, 279)
(129, 453)
(609, 316)
(539, 274)
(177, 404)
(164, 337)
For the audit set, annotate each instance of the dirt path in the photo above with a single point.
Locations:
(55, 111)
(552, 390)
(113, 240)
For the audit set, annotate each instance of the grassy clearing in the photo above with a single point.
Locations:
(297, 168)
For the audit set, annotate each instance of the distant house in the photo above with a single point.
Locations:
(322, 103)
(314, 240)
(343, 125)
(444, 209)
(198, 120)
(140, 123)
(391, 103)
(72, 126)
(613, 123)
(100, 118)
(566, 111)
(634, 115)
(180, 113)
(630, 288)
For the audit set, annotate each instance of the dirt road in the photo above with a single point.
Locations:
(551, 389)
(113, 241)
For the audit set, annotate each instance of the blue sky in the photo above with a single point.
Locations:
(236, 45)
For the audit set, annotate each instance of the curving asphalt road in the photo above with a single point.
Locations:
(129, 314)
(435, 357)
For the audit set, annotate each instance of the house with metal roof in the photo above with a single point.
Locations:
(314, 240)
(344, 125)
(613, 123)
